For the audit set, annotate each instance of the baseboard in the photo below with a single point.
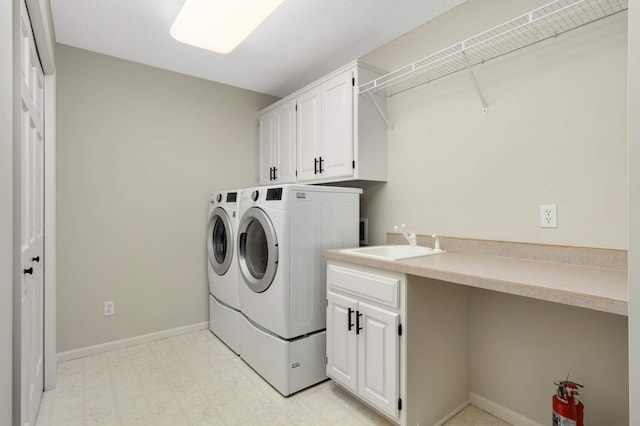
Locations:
(451, 415)
(131, 341)
(498, 410)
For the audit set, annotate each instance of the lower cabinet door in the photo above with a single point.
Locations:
(378, 353)
(342, 340)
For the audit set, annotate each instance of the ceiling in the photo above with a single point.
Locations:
(300, 42)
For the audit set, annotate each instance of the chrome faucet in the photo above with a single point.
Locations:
(408, 235)
(436, 242)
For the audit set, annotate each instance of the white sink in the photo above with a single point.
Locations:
(392, 252)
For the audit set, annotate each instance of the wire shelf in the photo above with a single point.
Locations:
(547, 21)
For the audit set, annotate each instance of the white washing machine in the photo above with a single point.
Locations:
(224, 299)
(282, 233)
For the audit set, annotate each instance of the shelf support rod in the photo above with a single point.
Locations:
(382, 114)
(485, 107)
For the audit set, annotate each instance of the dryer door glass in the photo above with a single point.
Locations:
(220, 241)
(257, 250)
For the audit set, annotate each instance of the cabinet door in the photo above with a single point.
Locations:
(309, 134)
(341, 340)
(378, 353)
(285, 143)
(266, 145)
(337, 126)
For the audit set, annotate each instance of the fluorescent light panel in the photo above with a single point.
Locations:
(220, 25)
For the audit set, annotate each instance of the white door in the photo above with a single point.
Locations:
(266, 147)
(378, 353)
(285, 164)
(32, 220)
(337, 126)
(342, 340)
(308, 134)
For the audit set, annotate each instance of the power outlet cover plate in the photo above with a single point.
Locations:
(109, 308)
(548, 216)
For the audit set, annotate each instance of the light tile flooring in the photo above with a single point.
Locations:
(194, 379)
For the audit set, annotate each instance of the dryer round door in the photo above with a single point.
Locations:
(257, 250)
(220, 241)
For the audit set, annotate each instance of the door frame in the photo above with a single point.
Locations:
(40, 16)
(7, 111)
(42, 25)
(50, 349)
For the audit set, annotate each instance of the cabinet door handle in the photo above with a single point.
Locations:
(349, 321)
(321, 168)
(315, 166)
(358, 328)
(271, 174)
(274, 173)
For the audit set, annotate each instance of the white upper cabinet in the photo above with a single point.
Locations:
(266, 146)
(277, 145)
(309, 133)
(336, 151)
(339, 136)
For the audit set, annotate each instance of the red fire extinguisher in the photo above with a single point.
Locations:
(567, 410)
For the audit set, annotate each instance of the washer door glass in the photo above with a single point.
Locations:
(257, 249)
(220, 241)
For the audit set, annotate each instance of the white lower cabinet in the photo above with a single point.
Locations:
(364, 334)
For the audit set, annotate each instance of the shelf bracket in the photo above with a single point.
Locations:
(485, 107)
(382, 114)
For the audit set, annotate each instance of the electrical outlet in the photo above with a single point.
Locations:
(548, 216)
(109, 308)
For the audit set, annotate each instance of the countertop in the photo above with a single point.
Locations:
(576, 285)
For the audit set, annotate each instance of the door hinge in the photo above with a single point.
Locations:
(326, 360)
(353, 81)
(399, 404)
(399, 329)
(353, 164)
(296, 107)
(296, 173)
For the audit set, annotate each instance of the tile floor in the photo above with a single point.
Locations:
(194, 379)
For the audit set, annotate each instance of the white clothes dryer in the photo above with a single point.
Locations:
(224, 300)
(282, 233)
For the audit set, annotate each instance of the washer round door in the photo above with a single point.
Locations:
(220, 241)
(257, 250)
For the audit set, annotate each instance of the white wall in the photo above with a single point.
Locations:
(6, 210)
(634, 210)
(520, 346)
(555, 133)
(139, 150)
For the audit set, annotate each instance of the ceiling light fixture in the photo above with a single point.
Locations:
(220, 25)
